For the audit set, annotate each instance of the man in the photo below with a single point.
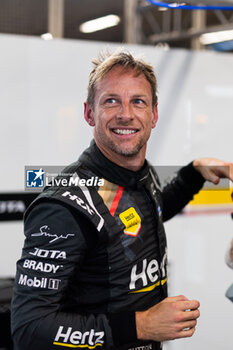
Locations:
(93, 268)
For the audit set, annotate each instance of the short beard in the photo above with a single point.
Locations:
(126, 153)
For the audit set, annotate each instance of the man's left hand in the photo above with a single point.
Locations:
(213, 169)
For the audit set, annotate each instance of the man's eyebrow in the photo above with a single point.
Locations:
(110, 94)
(139, 95)
(116, 95)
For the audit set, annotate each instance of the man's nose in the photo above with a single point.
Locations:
(125, 112)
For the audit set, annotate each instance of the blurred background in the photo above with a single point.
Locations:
(129, 21)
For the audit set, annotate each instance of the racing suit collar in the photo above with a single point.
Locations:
(94, 159)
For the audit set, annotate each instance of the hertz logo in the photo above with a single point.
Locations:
(132, 222)
(148, 275)
(77, 339)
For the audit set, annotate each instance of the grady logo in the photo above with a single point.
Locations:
(44, 232)
(89, 339)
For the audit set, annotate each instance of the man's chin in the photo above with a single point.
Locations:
(127, 152)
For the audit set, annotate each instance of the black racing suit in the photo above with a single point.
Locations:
(94, 254)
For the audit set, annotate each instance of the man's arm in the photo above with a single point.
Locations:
(45, 314)
(173, 318)
(189, 181)
(213, 169)
(176, 317)
(178, 192)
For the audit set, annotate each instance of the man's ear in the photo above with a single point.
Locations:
(89, 114)
(155, 115)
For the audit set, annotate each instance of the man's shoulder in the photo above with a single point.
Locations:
(75, 187)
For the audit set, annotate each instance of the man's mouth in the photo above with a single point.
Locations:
(124, 131)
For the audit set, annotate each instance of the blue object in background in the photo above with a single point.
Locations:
(229, 293)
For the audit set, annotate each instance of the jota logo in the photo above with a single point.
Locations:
(35, 178)
(46, 283)
(51, 254)
(132, 222)
(89, 339)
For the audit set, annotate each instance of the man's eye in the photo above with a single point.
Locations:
(139, 101)
(111, 100)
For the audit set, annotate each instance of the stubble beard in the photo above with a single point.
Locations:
(120, 150)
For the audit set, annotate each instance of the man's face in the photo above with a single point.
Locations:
(123, 115)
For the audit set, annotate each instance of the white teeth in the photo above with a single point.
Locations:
(124, 131)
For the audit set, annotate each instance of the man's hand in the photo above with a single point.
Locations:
(214, 169)
(172, 318)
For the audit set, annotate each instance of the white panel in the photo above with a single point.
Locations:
(197, 270)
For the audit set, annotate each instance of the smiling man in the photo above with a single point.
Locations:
(103, 283)
(123, 112)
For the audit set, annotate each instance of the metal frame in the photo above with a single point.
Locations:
(171, 26)
(56, 18)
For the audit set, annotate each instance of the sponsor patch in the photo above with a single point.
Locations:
(78, 201)
(36, 282)
(41, 266)
(51, 254)
(76, 339)
(132, 222)
(147, 275)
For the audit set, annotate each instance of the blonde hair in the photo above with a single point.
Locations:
(107, 61)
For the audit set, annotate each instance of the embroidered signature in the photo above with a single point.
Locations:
(43, 232)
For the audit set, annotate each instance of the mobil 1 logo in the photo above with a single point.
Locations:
(36, 282)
